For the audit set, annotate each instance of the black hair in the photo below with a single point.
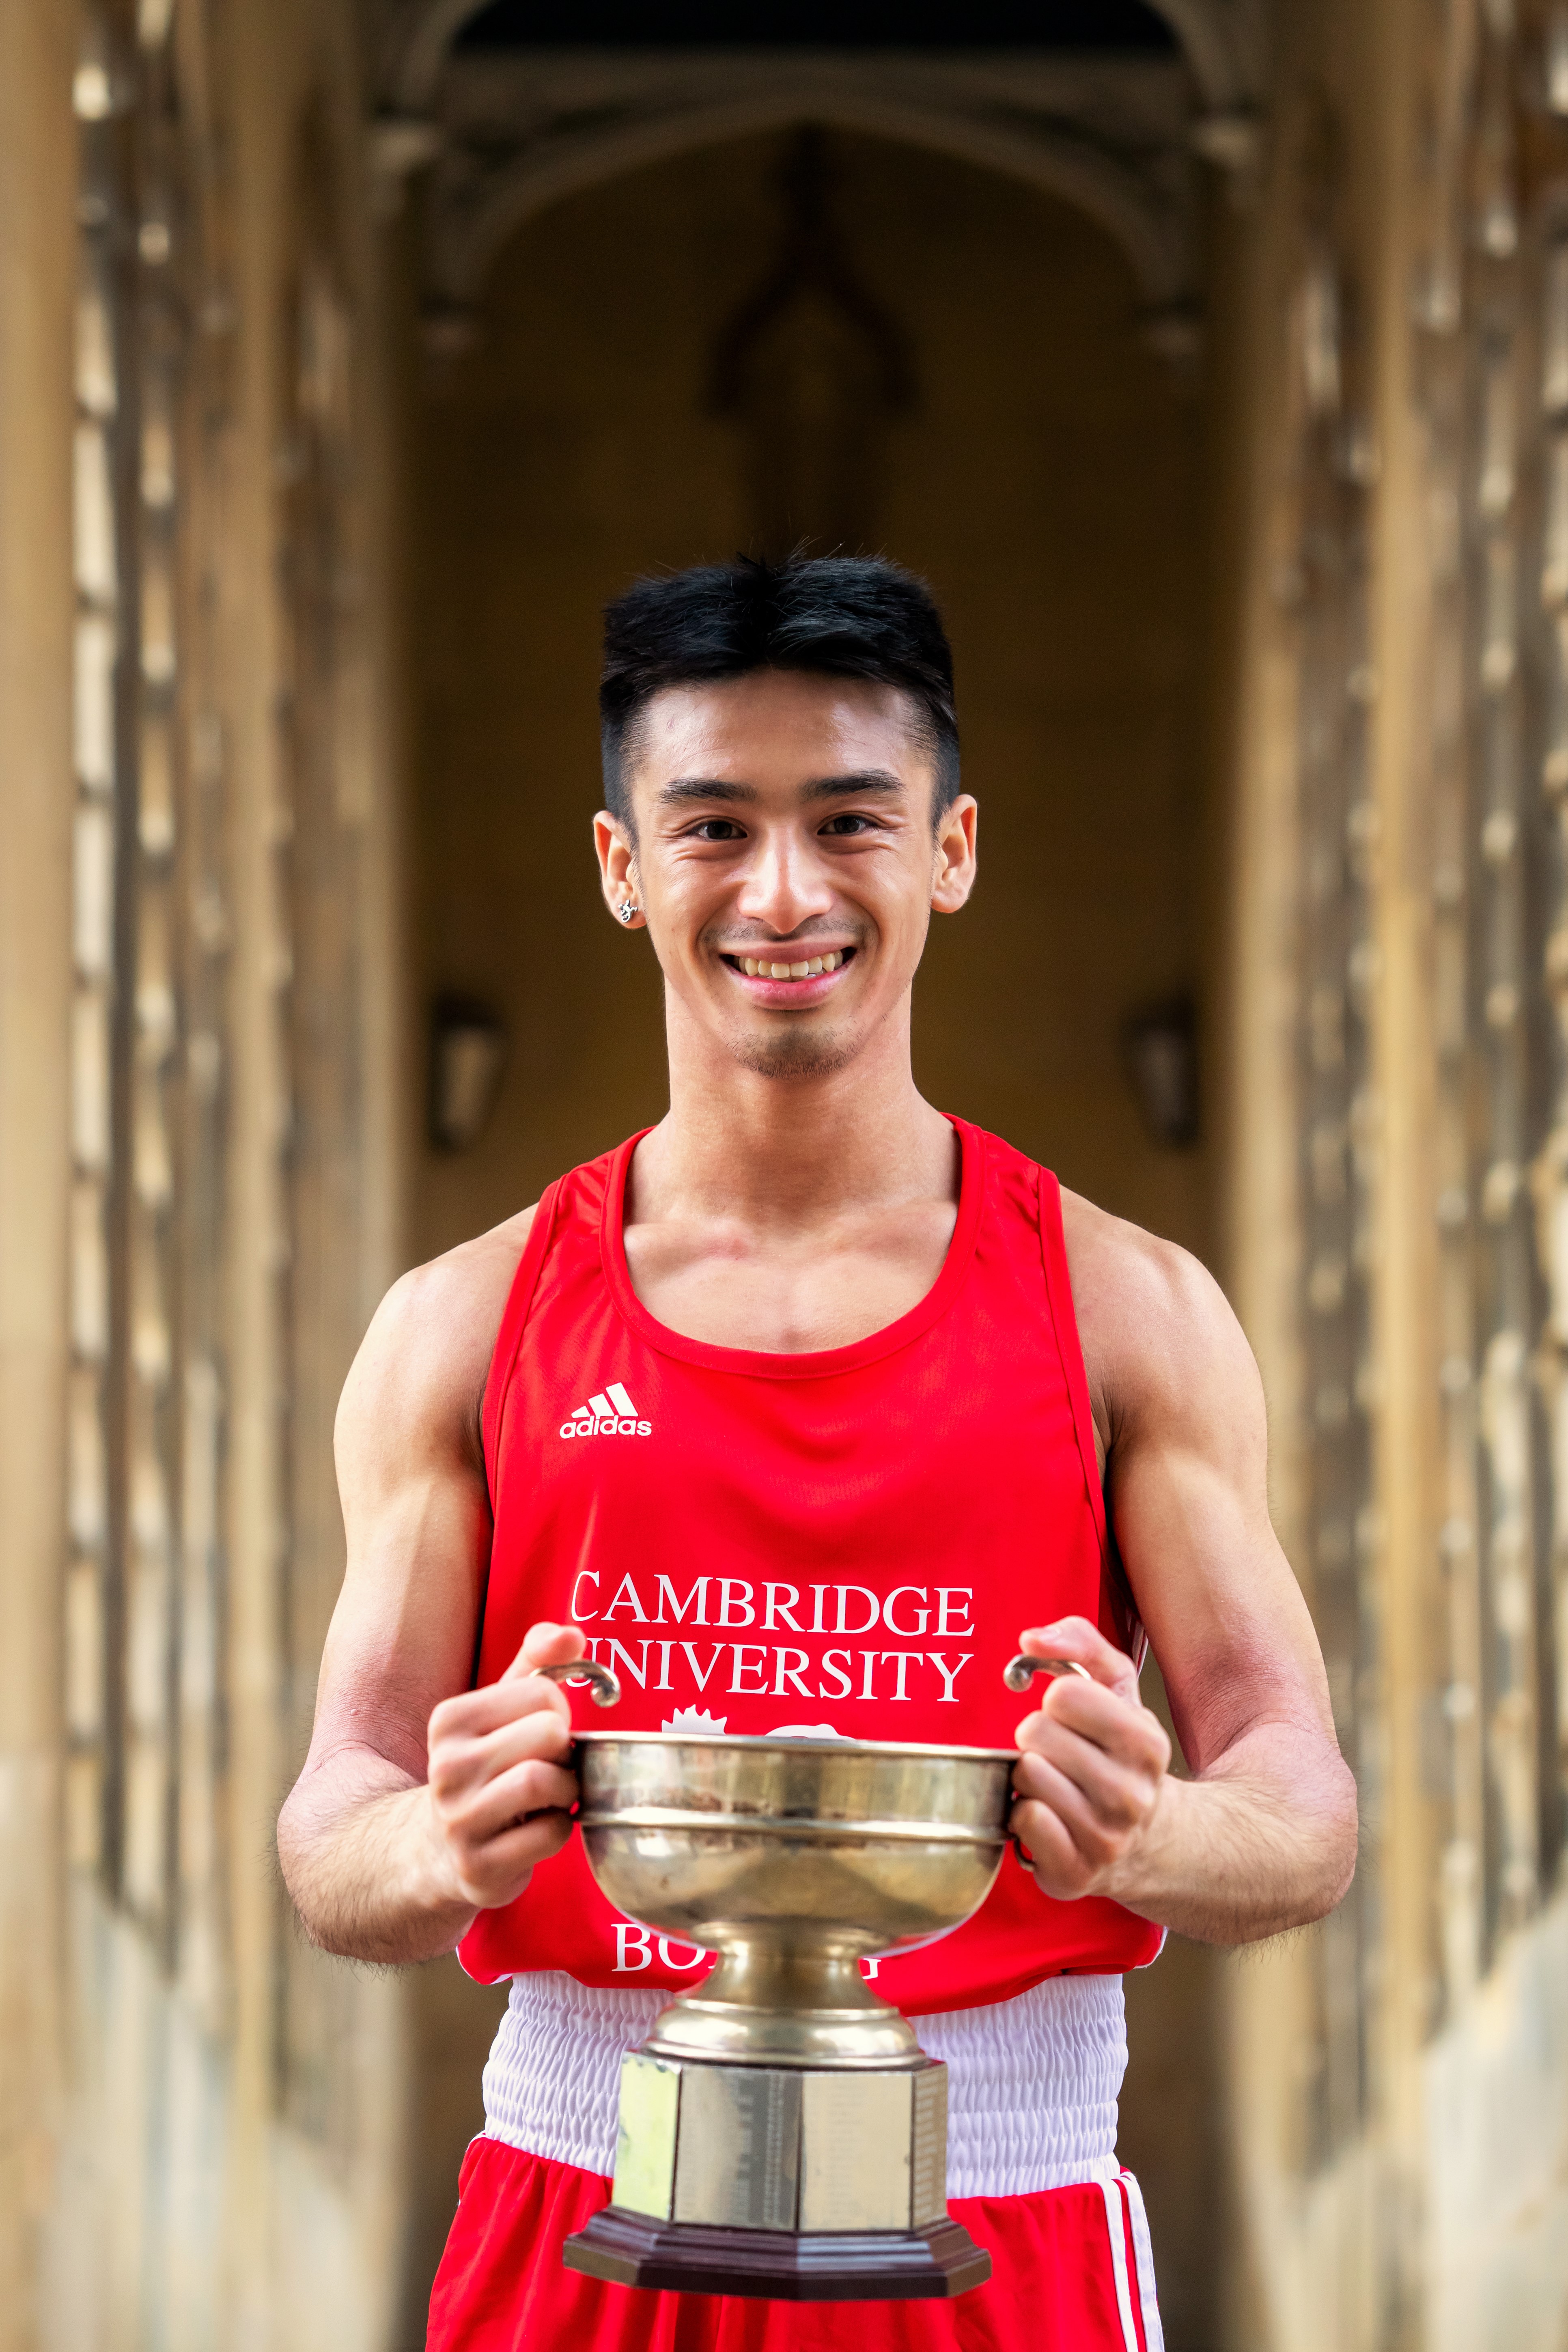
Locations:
(842, 616)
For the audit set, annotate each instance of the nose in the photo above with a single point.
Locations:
(786, 882)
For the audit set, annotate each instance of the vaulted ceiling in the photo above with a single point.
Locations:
(509, 105)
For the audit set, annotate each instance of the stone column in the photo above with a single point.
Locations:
(37, 281)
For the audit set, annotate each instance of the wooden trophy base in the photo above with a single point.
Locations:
(859, 2266)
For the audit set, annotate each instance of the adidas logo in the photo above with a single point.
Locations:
(612, 1413)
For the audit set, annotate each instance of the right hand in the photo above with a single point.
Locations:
(499, 1795)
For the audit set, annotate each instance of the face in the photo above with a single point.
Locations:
(784, 861)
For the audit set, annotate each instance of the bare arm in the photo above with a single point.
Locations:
(421, 1803)
(1263, 1835)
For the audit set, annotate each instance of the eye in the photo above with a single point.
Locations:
(717, 828)
(848, 822)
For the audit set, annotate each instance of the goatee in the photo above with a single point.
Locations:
(796, 1057)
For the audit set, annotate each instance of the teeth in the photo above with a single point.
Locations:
(757, 969)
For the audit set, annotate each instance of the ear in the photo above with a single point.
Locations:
(617, 869)
(954, 862)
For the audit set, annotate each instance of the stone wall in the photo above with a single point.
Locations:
(36, 191)
(1395, 1117)
(203, 2128)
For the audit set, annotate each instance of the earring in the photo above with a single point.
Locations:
(626, 910)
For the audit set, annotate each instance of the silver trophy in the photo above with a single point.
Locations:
(782, 2133)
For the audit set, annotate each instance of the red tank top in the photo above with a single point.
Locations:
(851, 1538)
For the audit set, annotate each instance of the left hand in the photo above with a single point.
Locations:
(1090, 1780)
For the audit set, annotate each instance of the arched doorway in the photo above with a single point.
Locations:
(648, 370)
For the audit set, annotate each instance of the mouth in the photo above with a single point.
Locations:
(782, 979)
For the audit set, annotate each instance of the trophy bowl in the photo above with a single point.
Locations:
(793, 1859)
(781, 2132)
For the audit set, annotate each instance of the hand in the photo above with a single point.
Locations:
(500, 1796)
(1090, 1779)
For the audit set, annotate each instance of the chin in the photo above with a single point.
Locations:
(809, 1055)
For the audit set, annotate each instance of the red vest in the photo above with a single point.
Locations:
(851, 1538)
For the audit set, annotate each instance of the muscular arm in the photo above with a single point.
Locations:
(1262, 1837)
(414, 1807)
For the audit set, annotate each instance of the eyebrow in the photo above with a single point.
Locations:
(822, 788)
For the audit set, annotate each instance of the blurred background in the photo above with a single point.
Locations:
(1210, 359)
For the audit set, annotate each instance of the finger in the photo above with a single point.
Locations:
(476, 1713)
(457, 1763)
(497, 1872)
(1086, 1646)
(478, 1814)
(1047, 1843)
(538, 1735)
(547, 1644)
(1121, 1799)
(1089, 1711)
(1095, 1840)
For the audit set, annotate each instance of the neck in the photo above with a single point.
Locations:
(792, 1152)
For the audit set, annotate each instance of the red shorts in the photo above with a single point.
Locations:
(1070, 2272)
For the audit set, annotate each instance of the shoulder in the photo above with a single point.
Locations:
(1157, 1332)
(419, 1377)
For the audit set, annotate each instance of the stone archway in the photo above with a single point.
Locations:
(507, 133)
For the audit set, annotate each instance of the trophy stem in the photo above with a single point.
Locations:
(772, 2005)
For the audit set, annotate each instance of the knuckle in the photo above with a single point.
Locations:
(456, 1834)
(462, 1826)
(454, 1762)
(541, 1694)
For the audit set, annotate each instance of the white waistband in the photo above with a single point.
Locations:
(1032, 2083)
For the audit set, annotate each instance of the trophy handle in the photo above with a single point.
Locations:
(1020, 1671)
(602, 1681)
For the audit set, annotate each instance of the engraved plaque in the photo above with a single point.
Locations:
(645, 2140)
(854, 2151)
(738, 2167)
(928, 2169)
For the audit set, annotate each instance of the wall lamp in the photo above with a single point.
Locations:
(1160, 1044)
(468, 1056)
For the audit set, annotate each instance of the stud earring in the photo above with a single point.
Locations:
(626, 910)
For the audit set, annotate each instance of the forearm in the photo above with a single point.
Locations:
(364, 1864)
(1262, 1841)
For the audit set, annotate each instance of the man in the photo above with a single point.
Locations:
(803, 1409)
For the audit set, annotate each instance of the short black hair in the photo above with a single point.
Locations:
(842, 616)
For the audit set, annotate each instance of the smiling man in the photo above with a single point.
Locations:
(804, 1411)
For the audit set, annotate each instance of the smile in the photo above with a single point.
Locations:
(810, 968)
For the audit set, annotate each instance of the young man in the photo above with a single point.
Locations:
(804, 1408)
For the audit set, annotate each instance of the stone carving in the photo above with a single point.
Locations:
(1324, 587)
(1492, 383)
(813, 366)
(144, 1602)
(506, 134)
